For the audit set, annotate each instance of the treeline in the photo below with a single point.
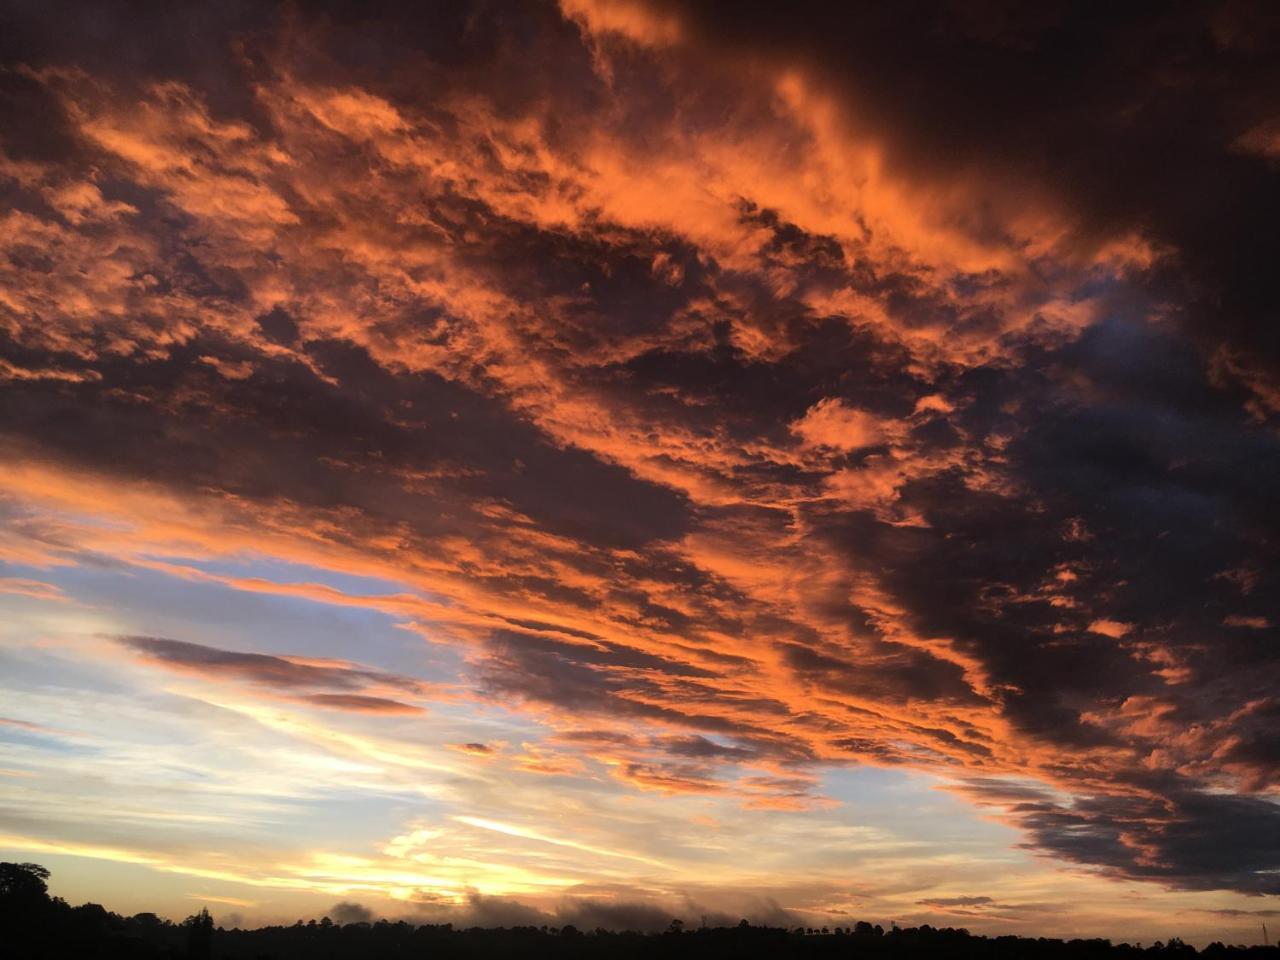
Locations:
(35, 926)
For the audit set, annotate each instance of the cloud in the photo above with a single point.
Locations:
(611, 910)
(955, 901)
(23, 725)
(1110, 628)
(733, 395)
(476, 749)
(349, 912)
(360, 704)
(35, 589)
(829, 423)
(1233, 914)
(588, 914)
(491, 911)
(290, 677)
(1251, 623)
(1220, 841)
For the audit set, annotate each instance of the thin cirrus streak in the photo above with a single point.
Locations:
(671, 390)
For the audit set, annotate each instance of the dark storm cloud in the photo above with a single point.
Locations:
(1149, 117)
(683, 412)
(1184, 838)
(232, 435)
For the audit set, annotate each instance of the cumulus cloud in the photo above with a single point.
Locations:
(350, 912)
(491, 911)
(829, 423)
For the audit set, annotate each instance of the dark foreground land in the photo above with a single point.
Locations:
(35, 925)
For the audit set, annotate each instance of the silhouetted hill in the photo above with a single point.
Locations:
(35, 926)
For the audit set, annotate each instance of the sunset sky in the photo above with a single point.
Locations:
(616, 460)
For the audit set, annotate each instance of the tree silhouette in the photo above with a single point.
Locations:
(35, 926)
(23, 881)
(200, 935)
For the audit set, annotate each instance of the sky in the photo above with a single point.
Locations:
(614, 460)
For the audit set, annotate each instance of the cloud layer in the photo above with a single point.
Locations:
(740, 404)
